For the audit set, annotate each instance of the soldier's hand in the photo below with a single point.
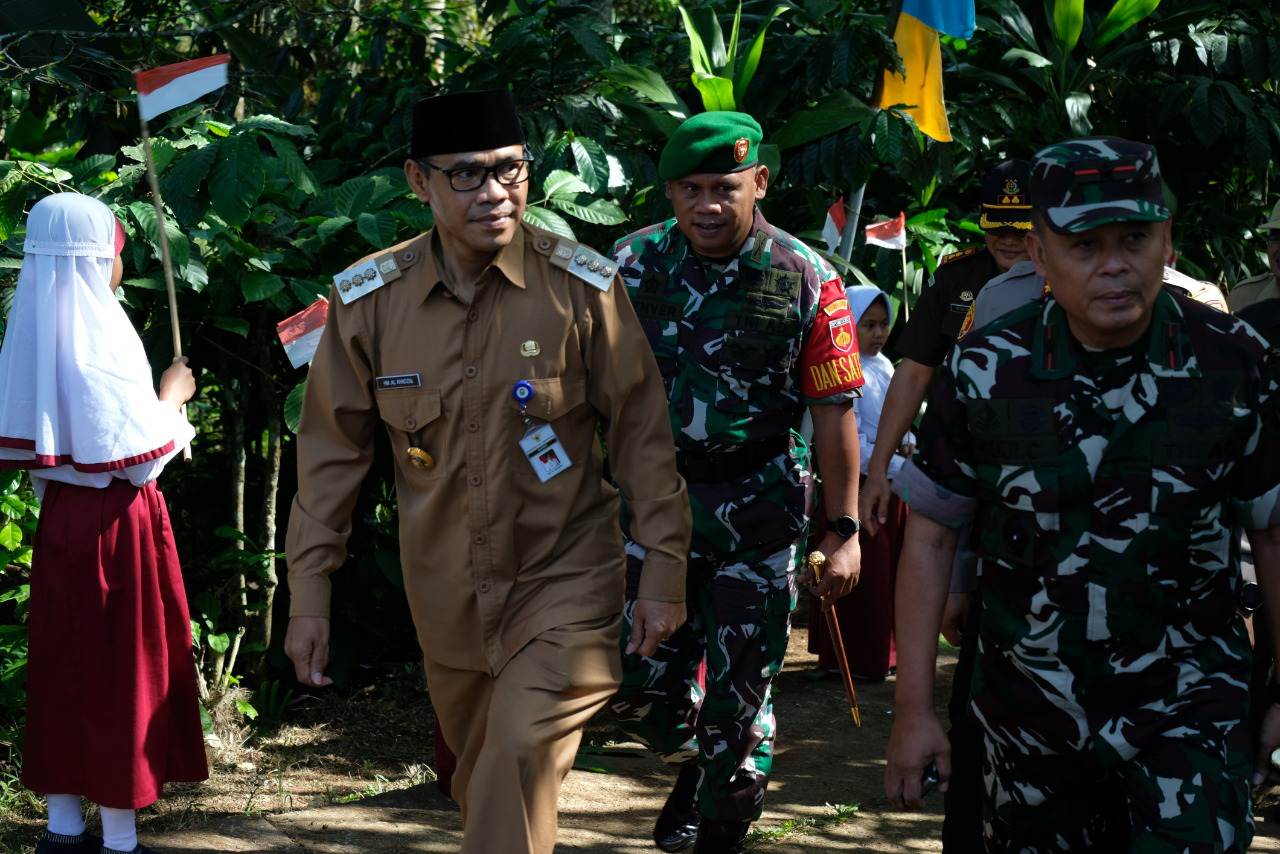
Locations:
(873, 501)
(652, 622)
(1268, 741)
(307, 644)
(916, 740)
(954, 615)
(843, 566)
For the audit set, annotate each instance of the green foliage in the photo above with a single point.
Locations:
(720, 74)
(19, 512)
(262, 210)
(1197, 79)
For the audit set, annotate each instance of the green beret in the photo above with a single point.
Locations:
(714, 142)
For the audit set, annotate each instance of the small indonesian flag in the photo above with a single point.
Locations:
(891, 234)
(834, 225)
(301, 333)
(170, 86)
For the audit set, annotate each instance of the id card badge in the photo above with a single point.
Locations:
(544, 452)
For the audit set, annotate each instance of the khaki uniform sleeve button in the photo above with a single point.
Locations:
(483, 587)
(471, 371)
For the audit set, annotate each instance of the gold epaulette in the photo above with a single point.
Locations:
(956, 256)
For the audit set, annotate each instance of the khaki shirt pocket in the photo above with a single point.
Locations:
(413, 420)
(553, 398)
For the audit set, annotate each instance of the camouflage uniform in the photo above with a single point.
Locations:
(1112, 683)
(1105, 483)
(742, 351)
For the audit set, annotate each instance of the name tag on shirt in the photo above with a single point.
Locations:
(544, 452)
(398, 381)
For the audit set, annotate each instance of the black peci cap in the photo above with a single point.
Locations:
(466, 121)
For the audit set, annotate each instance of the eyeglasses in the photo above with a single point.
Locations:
(466, 178)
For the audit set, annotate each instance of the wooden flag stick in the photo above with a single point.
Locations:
(165, 257)
(906, 289)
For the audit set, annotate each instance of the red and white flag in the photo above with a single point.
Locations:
(301, 333)
(172, 86)
(891, 234)
(834, 226)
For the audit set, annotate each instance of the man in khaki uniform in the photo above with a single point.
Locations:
(1263, 286)
(489, 350)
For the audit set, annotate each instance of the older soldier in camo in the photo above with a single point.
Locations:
(1108, 436)
(750, 329)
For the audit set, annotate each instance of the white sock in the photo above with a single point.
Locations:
(65, 818)
(118, 830)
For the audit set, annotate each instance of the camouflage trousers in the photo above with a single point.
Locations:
(739, 621)
(1118, 767)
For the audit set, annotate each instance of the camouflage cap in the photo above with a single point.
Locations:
(717, 142)
(1086, 183)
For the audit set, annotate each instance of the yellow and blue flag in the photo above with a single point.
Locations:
(915, 32)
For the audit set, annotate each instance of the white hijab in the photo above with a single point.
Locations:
(75, 384)
(877, 373)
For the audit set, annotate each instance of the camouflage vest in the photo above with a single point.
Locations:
(727, 342)
(1123, 502)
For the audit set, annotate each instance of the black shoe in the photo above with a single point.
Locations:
(677, 824)
(54, 843)
(137, 849)
(722, 837)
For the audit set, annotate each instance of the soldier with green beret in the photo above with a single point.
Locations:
(751, 330)
(1108, 436)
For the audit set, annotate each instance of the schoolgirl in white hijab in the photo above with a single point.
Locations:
(79, 405)
(112, 712)
(877, 370)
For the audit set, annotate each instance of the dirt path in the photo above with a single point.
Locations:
(348, 779)
(826, 792)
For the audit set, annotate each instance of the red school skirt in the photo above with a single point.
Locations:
(112, 708)
(866, 614)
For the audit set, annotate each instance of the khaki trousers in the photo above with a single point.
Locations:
(516, 734)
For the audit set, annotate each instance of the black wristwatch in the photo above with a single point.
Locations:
(845, 526)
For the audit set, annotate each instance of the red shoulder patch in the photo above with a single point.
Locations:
(830, 363)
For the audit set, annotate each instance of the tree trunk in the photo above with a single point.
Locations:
(234, 416)
(272, 454)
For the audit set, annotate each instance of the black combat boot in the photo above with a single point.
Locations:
(677, 824)
(721, 837)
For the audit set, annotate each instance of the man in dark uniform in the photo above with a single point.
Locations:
(928, 338)
(937, 316)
